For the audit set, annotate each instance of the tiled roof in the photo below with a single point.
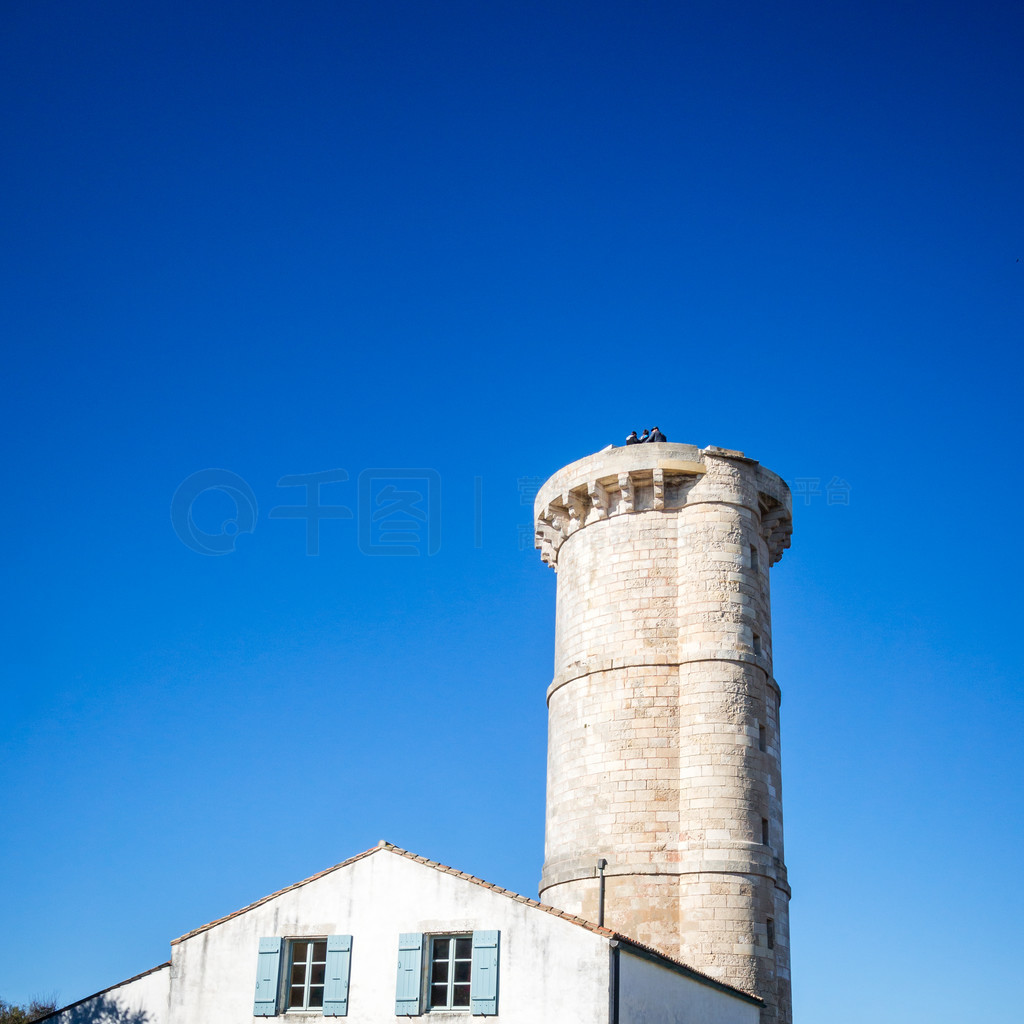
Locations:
(597, 929)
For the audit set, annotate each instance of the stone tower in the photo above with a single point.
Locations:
(663, 715)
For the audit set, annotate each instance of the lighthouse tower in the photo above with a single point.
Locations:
(663, 734)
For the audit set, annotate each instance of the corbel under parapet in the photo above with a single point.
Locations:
(546, 541)
(659, 489)
(776, 531)
(625, 492)
(599, 501)
(576, 511)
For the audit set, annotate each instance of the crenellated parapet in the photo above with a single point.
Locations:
(658, 477)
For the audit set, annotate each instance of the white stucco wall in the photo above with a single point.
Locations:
(141, 1000)
(652, 994)
(550, 969)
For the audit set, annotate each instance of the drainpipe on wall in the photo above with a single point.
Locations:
(615, 981)
(601, 865)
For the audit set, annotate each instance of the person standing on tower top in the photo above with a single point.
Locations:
(644, 436)
(657, 435)
(632, 438)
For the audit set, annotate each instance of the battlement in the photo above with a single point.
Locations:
(663, 476)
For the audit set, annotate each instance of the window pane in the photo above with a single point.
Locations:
(464, 948)
(295, 996)
(299, 951)
(439, 971)
(298, 974)
(320, 952)
(441, 949)
(316, 996)
(438, 995)
(462, 969)
(460, 995)
(316, 975)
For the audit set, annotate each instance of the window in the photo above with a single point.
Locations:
(762, 738)
(764, 831)
(754, 564)
(451, 966)
(303, 974)
(771, 932)
(757, 645)
(306, 974)
(447, 972)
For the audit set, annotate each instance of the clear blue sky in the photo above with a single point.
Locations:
(487, 239)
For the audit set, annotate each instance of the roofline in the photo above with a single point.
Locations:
(102, 992)
(437, 865)
(280, 892)
(647, 952)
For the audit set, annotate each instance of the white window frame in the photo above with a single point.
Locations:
(311, 940)
(451, 959)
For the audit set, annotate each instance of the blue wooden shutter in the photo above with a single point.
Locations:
(268, 966)
(339, 960)
(410, 964)
(483, 992)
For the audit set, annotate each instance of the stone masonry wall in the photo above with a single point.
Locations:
(663, 749)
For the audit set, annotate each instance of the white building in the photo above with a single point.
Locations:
(387, 935)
